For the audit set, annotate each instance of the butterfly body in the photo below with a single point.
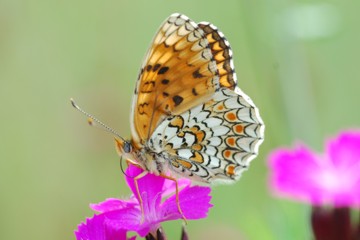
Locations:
(189, 118)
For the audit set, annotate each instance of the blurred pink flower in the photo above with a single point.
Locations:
(117, 216)
(330, 178)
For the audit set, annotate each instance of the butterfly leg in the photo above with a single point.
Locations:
(177, 195)
(141, 175)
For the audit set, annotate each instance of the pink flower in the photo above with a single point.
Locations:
(330, 178)
(159, 204)
(96, 229)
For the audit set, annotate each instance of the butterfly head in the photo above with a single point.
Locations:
(126, 150)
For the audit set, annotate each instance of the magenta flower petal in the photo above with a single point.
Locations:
(112, 204)
(343, 171)
(150, 184)
(170, 186)
(194, 203)
(293, 173)
(128, 218)
(332, 178)
(96, 229)
(344, 151)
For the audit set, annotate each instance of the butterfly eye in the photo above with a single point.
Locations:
(127, 147)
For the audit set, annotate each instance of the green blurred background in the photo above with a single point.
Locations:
(298, 60)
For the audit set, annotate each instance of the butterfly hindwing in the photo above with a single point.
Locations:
(214, 141)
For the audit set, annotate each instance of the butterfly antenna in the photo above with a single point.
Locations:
(93, 119)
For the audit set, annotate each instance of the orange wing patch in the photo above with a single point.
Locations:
(178, 73)
(183, 163)
(231, 116)
(238, 129)
(231, 141)
(230, 170)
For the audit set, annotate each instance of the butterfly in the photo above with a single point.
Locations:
(189, 118)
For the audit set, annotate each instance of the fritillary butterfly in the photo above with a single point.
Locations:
(188, 116)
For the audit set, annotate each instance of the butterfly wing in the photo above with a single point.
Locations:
(214, 141)
(187, 109)
(178, 73)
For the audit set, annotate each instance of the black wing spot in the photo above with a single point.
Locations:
(148, 67)
(156, 67)
(194, 92)
(165, 94)
(197, 74)
(165, 81)
(177, 100)
(163, 70)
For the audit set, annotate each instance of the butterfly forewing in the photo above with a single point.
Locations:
(178, 73)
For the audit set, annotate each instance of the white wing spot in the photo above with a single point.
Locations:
(184, 153)
(220, 131)
(212, 122)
